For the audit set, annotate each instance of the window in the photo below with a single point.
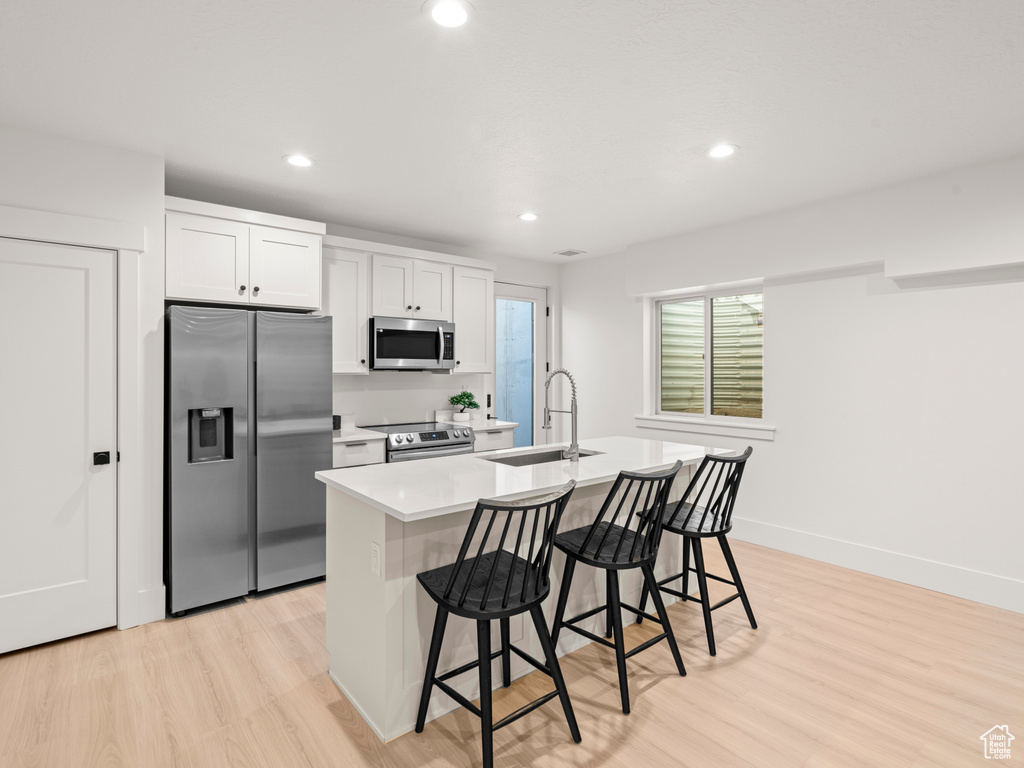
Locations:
(710, 355)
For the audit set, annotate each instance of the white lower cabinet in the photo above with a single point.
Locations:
(492, 439)
(358, 453)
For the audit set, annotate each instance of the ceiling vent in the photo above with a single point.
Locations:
(569, 252)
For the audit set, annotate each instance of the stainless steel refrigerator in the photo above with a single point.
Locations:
(248, 403)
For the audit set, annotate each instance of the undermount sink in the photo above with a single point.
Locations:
(541, 457)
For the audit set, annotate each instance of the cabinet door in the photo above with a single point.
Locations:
(392, 286)
(207, 259)
(345, 286)
(284, 268)
(432, 291)
(473, 313)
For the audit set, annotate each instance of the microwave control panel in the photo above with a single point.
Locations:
(449, 346)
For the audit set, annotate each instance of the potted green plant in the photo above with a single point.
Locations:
(464, 400)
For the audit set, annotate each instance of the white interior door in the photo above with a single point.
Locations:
(58, 540)
(521, 355)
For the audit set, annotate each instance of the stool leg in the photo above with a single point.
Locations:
(727, 551)
(686, 566)
(556, 671)
(666, 627)
(620, 651)
(440, 620)
(506, 660)
(705, 602)
(483, 641)
(643, 602)
(563, 598)
(608, 609)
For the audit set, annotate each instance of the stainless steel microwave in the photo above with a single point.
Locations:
(403, 344)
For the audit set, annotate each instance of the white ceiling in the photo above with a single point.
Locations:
(592, 113)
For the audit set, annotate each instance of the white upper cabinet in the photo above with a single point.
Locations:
(432, 290)
(392, 286)
(284, 268)
(473, 314)
(232, 256)
(345, 288)
(404, 287)
(207, 259)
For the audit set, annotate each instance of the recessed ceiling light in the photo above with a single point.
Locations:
(528, 216)
(448, 13)
(298, 160)
(722, 150)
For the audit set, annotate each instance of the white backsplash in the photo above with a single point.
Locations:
(393, 397)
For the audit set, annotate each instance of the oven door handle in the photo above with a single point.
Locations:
(429, 453)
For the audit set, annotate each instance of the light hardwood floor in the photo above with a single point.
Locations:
(846, 670)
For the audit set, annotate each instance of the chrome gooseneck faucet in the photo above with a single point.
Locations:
(573, 451)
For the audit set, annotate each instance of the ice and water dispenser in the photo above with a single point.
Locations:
(209, 434)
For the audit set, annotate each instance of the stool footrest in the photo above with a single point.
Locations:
(694, 570)
(589, 635)
(587, 615)
(719, 604)
(633, 609)
(645, 645)
(462, 700)
(464, 668)
(530, 660)
(524, 710)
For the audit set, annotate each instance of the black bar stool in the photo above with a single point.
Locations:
(503, 581)
(706, 512)
(625, 535)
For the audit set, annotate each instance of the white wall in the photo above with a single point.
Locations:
(50, 173)
(898, 410)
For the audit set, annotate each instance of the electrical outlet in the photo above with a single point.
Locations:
(374, 558)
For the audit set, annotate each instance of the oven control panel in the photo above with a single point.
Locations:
(405, 439)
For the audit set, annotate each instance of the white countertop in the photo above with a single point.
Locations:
(357, 435)
(493, 424)
(416, 490)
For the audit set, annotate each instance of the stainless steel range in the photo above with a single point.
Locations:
(425, 440)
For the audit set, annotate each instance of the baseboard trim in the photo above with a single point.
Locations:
(359, 709)
(981, 587)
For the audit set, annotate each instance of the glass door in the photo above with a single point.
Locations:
(520, 358)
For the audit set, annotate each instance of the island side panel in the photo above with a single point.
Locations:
(356, 630)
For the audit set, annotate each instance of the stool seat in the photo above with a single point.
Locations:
(469, 596)
(684, 520)
(610, 547)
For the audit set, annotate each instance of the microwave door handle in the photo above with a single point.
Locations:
(440, 346)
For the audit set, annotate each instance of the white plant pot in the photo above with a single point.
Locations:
(460, 416)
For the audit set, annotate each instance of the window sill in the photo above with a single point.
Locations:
(753, 431)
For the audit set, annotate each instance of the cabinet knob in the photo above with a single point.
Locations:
(409, 307)
(255, 290)
(241, 289)
(458, 362)
(362, 362)
(417, 308)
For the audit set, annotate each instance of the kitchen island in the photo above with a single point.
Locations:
(388, 522)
